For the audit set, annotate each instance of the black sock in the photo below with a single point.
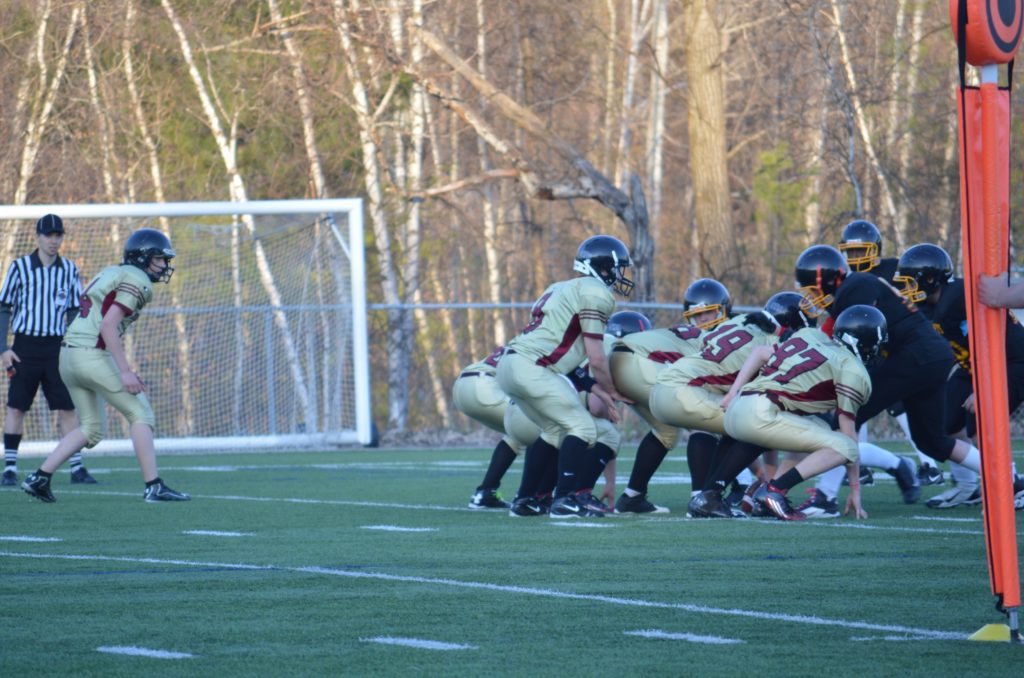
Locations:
(789, 480)
(736, 456)
(536, 459)
(649, 456)
(11, 443)
(597, 458)
(501, 459)
(154, 481)
(549, 478)
(571, 465)
(43, 474)
(700, 454)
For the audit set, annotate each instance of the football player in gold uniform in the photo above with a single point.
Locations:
(95, 369)
(804, 376)
(567, 328)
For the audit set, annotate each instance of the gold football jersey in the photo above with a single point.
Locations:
(812, 374)
(124, 285)
(722, 354)
(567, 312)
(666, 344)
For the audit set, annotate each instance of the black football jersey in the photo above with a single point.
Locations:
(886, 269)
(949, 316)
(906, 324)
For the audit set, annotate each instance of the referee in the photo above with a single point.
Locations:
(39, 297)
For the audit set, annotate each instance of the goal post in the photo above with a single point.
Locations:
(260, 339)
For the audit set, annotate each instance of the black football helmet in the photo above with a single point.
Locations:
(863, 330)
(707, 294)
(922, 270)
(861, 244)
(820, 269)
(785, 307)
(143, 245)
(606, 258)
(622, 323)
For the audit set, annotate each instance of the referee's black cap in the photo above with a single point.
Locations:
(48, 224)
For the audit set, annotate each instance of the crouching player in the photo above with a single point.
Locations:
(807, 375)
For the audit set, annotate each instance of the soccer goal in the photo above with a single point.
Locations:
(259, 340)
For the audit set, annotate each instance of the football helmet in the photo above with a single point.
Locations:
(143, 245)
(863, 330)
(861, 244)
(706, 294)
(820, 269)
(622, 323)
(606, 258)
(922, 270)
(785, 307)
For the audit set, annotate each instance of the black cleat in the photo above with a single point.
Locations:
(929, 475)
(81, 476)
(637, 504)
(708, 504)
(9, 478)
(735, 496)
(39, 487)
(907, 480)
(777, 502)
(487, 499)
(818, 505)
(160, 492)
(1018, 492)
(867, 477)
(527, 507)
(591, 505)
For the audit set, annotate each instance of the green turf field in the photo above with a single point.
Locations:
(368, 562)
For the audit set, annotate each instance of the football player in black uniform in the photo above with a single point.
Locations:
(861, 244)
(925, 277)
(918, 359)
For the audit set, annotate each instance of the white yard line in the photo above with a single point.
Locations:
(144, 652)
(29, 539)
(217, 533)
(804, 620)
(396, 528)
(689, 637)
(418, 643)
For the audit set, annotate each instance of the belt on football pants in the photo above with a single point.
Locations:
(623, 349)
(475, 374)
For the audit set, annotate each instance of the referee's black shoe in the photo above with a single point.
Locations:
(81, 476)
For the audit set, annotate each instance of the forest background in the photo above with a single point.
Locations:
(489, 137)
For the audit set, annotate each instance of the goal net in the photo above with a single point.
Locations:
(259, 340)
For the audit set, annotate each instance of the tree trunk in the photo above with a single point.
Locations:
(706, 124)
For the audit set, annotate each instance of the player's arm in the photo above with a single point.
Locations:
(112, 340)
(848, 426)
(759, 355)
(997, 292)
(594, 347)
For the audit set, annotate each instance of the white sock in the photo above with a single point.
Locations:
(829, 481)
(862, 434)
(630, 492)
(973, 459)
(879, 457)
(963, 476)
(745, 477)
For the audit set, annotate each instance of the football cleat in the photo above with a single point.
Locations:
(750, 503)
(1018, 492)
(39, 487)
(818, 505)
(637, 504)
(591, 503)
(565, 507)
(160, 492)
(9, 478)
(487, 499)
(735, 496)
(907, 480)
(527, 507)
(81, 476)
(867, 477)
(777, 502)
(928, 474)
(708, 504)
(955, 496)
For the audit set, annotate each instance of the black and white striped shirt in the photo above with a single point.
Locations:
(41, 295)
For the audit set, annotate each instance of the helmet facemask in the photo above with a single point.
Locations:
(614, 276)
(861, 256)
(701, 308)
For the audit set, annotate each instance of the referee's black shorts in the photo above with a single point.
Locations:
(39, 366)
